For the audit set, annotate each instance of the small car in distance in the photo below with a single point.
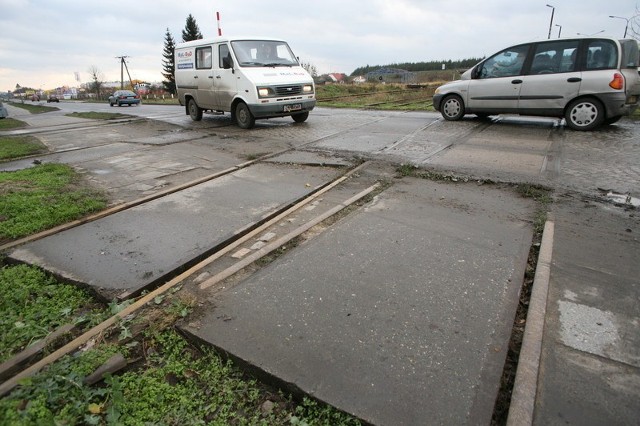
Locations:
(124, 97)
(587, 81)
(53, 98)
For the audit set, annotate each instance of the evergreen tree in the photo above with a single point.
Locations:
(191, 30)
(168, 63)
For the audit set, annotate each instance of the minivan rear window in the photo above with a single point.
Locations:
(601, 55)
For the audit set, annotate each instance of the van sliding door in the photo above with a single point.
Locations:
(204, 77)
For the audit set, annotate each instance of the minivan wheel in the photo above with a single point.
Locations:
(300, 118)
(584, 114)
(452, 108)
(244, 118)
(195, 112)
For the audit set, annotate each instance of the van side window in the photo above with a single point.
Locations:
(601, 55)
(507, 63)
(554, 57)
(203, 57)
(224, 55)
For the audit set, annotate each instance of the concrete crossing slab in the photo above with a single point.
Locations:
(133, 249)
(400, 314)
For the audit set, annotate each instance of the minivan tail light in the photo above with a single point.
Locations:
(617, 82)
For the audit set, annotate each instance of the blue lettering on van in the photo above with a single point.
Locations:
(185, 66)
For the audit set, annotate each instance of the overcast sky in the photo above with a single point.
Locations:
(44, 42)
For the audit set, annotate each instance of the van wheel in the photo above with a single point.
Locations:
(300, 118)
(195, 112)
(584, 114)
(452, 108)
(244, 118)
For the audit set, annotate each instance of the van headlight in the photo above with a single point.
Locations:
(307, 88)
(437, 91)
(265, 92)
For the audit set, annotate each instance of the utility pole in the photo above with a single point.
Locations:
(123, 66)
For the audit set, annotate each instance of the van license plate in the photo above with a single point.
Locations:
(294, 107)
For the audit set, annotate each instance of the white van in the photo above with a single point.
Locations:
(588, 81)
(249, 77)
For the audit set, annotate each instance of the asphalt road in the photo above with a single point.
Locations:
(507, 148)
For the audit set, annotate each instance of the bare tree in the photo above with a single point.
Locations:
(311, 69)
(97, 80)
(634, 25)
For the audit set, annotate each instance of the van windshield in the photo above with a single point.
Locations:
(263, 53)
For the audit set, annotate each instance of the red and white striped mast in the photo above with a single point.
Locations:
(218, 19)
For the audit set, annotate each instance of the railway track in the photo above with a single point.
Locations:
(26, 363)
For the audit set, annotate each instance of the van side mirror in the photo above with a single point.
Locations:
(227, 62)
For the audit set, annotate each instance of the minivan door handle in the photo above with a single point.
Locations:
(217, 76)
(210, 76)
(516, 81)
(574, 80)
(195, 76)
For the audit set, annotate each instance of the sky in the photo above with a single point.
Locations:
(44, 43)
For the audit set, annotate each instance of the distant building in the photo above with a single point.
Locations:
(338, 77)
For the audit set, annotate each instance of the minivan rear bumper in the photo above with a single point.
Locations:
(617, 104)
(278, 110)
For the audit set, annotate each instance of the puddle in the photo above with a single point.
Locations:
(623, 199)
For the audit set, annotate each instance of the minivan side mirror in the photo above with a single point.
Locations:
(475, 73)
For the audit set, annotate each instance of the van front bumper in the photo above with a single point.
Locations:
(280, 109)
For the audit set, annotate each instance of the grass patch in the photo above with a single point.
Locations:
(33, 305)
(376, 96)
(19, 146)
(11, 123)
(34, 108)
(98, 115)
(42, 197)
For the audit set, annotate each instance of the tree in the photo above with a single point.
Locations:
(191, 31)
(96, 80)
(168, 63)
(311, 69)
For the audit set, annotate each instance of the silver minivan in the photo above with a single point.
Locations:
(588, 81)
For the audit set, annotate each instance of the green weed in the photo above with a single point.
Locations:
(176, 385)
(33, 305)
